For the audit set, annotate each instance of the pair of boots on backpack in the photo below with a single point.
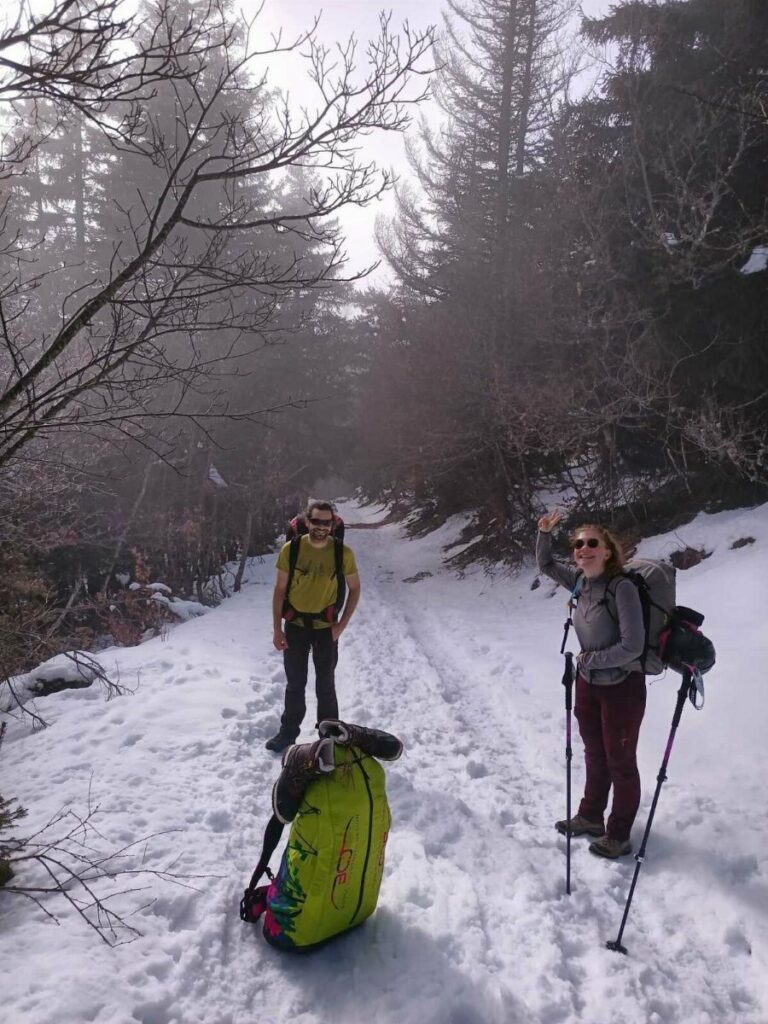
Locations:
(304, 762)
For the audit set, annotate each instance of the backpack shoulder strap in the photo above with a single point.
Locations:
(341, 583)
(293, 557)
(338, 557)
(272, 834)
(577, 585)
(645, 604)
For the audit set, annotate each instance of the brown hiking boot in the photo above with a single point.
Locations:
(579, 826)
(375, 742)
(302, 763)
(610, 848)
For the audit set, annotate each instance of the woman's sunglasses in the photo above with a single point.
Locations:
(591, 542)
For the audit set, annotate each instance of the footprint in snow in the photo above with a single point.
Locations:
(419, 898)
(219, 821)
(476, 769)
(737, 940)
(160, 969)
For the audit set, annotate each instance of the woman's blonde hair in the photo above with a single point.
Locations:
(615, 562)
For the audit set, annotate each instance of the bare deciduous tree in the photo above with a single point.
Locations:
(191, 285)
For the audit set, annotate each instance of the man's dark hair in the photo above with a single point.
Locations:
(324, 506)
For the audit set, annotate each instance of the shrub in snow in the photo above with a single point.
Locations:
(686, 558)
(134, 613)
(183, 610)
(63, 672)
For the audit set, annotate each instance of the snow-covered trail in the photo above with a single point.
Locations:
(484, 724)
(473, 925)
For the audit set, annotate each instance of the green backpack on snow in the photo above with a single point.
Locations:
(334, 794)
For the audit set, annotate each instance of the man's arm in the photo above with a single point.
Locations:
(353, 596)
(278, 600)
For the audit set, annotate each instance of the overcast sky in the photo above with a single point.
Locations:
(339, 18)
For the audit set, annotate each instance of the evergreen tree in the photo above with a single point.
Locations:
(476, 246)
(666, 172)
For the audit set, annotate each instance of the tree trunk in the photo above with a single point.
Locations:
(525, 99)
(126, 527)
(79, 186)
(244, 554)
(505, 136)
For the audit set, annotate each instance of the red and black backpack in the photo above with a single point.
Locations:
(297, 527)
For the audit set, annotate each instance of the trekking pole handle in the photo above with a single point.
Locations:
(566, 628)
(567, 679)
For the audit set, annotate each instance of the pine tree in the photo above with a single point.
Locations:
(666, 171)
(476, 245)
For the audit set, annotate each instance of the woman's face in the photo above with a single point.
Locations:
(590, 553)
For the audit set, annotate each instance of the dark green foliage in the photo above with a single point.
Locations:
(596, 324)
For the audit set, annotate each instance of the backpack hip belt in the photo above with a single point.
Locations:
(329, 614)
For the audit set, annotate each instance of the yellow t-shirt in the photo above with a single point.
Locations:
(313, 586)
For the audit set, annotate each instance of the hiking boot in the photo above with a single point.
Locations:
(605, 846)
(579, 826)
(371, 741)
(280, 741)
(302, 763)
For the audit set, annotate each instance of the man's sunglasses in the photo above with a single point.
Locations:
(321, 522)
(591, 542)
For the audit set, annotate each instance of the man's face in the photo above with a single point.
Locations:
(320, 522)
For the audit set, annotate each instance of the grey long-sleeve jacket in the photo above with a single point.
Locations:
(612, 635)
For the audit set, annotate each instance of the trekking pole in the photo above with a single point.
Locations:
(687, 688)
(568, 684)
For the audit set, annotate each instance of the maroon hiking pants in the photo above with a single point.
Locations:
(609, 720)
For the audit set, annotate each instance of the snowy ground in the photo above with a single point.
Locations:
(473, 925)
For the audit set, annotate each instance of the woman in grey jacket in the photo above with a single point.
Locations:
(610, 685)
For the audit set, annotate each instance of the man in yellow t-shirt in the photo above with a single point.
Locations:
(306, 598)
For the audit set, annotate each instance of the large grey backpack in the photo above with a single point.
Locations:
(655, 582)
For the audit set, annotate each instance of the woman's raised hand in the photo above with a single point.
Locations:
(548, 522)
